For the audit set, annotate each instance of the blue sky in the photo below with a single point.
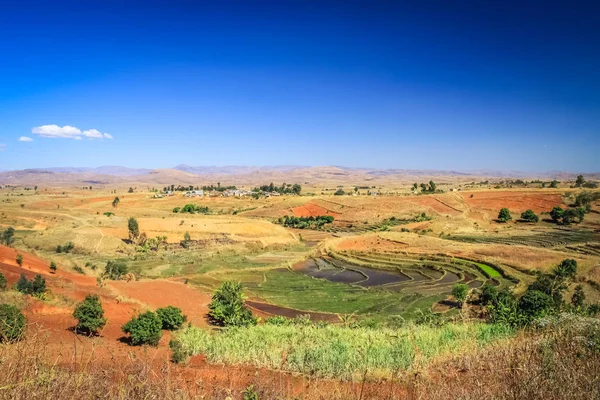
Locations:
(424, 85)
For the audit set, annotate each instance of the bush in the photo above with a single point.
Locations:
(488, 294)
(460, 292)
(20, 260)
(35, 287)
(504, 215)
(90, 315)
(227, 307)
(65, 248)
(114, 270)
(171, 317)
(3, 282)
(12, 323)
(52, 267)
(144, 329)
(529, 216)
(535, 304)
(7, 237)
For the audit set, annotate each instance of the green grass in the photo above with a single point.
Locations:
(335, 351)
(489, 270)
(296, 290)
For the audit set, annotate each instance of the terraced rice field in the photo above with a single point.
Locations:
(563, 238)
(409, 274)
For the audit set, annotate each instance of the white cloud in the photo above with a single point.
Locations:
(25, 139)
(68, 132)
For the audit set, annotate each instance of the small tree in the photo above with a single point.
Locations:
(12, 323)
(134, 229)
(3, 282)
(554, 184)
(23, 285)
(460, 292)
(20, 260)
(89, 315)
(504, 215)
(227, 307)
(115, 270)
(580, 181)
(116, 202)
(7, 237)
(535, 304)
(38, 285)
(578, 297)
(144, 329)
(52, 267)
(529, 216)
(556, 214)
(130, 190)
(171, 317)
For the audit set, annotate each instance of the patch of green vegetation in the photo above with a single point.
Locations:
(492, 273)
(336, 351)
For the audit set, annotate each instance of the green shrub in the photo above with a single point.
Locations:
(90, 315)
(7, 237)
(65, 248)
(3, 282)
(144, 329)
(504, 215)
(171, 317)
(12, 323)
(227, 307)
(20, 260)
(53, 267)
(529, 216)
(35, 287)
(114, 270)
(535, 304)
(460, 292)
(488, 294)
(79, 270)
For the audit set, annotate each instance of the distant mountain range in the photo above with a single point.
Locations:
(252, 175)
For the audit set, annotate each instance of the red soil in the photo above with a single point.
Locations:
(516, 201)
(52, 321)
(369, 243)
(312, 210)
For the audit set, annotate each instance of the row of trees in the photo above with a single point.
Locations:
(191, 209)
(306, 222)
(425, 188)
(285, 188)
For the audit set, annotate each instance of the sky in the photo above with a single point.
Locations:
(448, 85)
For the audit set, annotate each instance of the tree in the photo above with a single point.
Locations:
(535, 304)
(578, 297)
(7, 236)
(460, 292)
(116, 202)
(567, 269)
(130, 190)
(580, 181)
(227, 307)
(20, 260)
(134, 229)
(144, 329)
(23, 285)
(529, 216)
(569, 216)
(38, 285)
(12, 323)
(339, 192)
(186, 240)
(171, 317)
(115, 270)
(89, 315)
(488, 294)
(52, 267)
(3, 282)
(554, 184)
(556, 214)
(432, 186)
(504, 215)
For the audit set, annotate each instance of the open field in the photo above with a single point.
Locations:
(384, 259)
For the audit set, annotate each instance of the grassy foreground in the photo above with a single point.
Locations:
(335, 351)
